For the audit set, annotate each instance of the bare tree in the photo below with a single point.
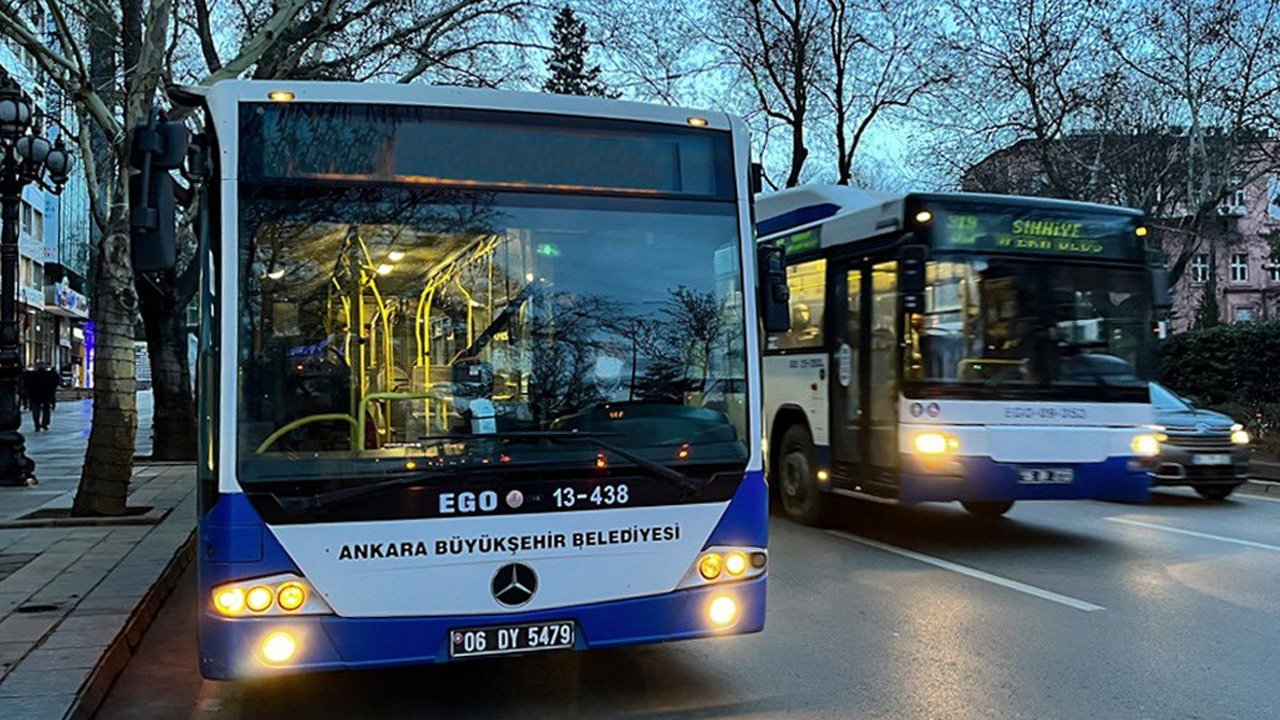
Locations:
(1217, 63)
(112, 66)
(881, 55)
(776, 47)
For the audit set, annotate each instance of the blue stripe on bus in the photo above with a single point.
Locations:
(796, 218)
(746, 520)
(984, 479)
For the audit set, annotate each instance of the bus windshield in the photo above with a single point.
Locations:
(381, 325)
(1031, 328)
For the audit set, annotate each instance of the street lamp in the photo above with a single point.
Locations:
(26, 157)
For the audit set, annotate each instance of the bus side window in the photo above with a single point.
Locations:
(807, 281)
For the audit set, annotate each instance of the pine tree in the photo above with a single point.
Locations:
(568, 62)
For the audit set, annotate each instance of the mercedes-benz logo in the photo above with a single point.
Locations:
(514, 585)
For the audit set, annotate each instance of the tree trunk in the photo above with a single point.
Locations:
(108, 462)
(173, 434)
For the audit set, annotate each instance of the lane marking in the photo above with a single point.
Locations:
(972, 572)
(1193, 533)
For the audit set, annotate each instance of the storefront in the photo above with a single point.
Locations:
(68, 313)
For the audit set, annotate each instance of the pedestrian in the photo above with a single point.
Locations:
(42, 393)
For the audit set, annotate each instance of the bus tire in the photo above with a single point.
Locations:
(1215, 492)
(798, 491)
(987, 509)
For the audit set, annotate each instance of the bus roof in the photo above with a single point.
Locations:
(854, 214)
(233, 91)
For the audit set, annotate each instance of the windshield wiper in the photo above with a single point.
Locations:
(297, 505)
(660, 471)
(670, 475)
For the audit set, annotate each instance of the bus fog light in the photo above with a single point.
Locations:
(935, 443)
(735, 563)
(229, 601)
(1146, 445)
(258, 598)
(709, 566)
(279, 647)
(722, 611)
(291, 597)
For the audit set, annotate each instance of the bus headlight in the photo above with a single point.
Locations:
(709, 566)
(1239, 435)
(274, 595)
(935, 443)
(229, 601)
(291, 597)
(259, 598)
(1146, 445)
(723, 564)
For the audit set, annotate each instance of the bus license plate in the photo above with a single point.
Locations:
(1213, 459)
(503, 639)
(1046, 476)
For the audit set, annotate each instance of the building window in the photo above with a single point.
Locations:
(1200, 268)
(1244, 314)
(1239, 267)
(1237, 197)
(1273, 271)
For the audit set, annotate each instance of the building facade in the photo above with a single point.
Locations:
(53, 237)
(1233, 258)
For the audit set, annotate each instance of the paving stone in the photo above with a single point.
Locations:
(36, 707)
(27, 628)
(52, 658)
(24, 682)
(100, 635)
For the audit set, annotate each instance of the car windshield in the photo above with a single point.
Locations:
(1031, 327)
(1165, 399)
(383, 325)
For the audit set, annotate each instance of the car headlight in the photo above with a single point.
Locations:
(1239, 435)
(284, 594)
(1146, 445)
(725, 564)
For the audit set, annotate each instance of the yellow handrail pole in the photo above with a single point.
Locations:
(326, 417)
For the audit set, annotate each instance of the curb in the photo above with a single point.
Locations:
(116, 655)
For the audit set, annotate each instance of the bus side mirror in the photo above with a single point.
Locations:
(911, 276)
(157, 148)
(1161, 298)
(775, 296)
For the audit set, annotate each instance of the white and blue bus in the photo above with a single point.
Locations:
(966, 347)
(477, 376)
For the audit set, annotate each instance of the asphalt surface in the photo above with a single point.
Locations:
(1060, 610)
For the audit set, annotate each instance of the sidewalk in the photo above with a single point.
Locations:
(76, 596)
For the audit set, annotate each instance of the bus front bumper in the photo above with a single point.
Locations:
(983, 479)
(230, 648)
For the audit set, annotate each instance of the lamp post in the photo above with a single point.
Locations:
(26, 157)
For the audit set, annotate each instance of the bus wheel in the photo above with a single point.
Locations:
(992, 509)
(797, 480)
(1216, 492)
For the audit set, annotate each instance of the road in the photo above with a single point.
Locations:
(1060, 610)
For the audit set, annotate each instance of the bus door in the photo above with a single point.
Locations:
(848, 399)
(864, 378)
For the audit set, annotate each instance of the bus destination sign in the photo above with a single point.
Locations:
(1030, 231)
